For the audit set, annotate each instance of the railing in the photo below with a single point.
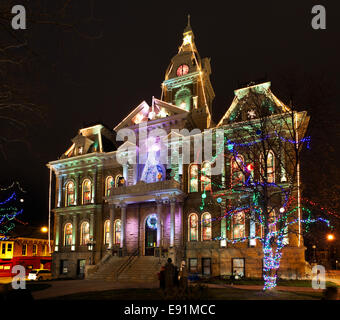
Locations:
(125, 264)
(143, 187)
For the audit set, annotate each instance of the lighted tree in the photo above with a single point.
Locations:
(11, 206)
(263, 149)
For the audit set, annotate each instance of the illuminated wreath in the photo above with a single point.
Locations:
(151, 221)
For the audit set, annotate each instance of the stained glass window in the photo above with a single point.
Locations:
(271, 220)
(109, 183)
(68, 234)
(237, 174)
(270, 167)
(70, 194)
(193, 178)
(107, 232)
(117, 230)
(118, 178)
(206, 176)
(238, 225)
(193, 227)
(206, 226)
(86, 191)
(84, 233)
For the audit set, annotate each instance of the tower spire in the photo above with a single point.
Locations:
(188, 27)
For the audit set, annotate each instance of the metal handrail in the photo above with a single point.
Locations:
(125, 264)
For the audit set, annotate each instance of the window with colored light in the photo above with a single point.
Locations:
(271, 221)
(87, 191)
(117, 231)
(84, 233)
(206, 226)
(238, 225)
(68, 234)
(206, 176)
(69, 194)
(109, 183)
(193, 178)
(237, 171)
(107, 232)
(270, 167)
(193, 227)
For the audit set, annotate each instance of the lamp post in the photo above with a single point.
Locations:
(90, 246)
(314, 253)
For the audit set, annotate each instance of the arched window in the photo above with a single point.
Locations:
(270, 166)
(109, 183)
(206, 226)
(117, 179)
(117, 230)
(206, 176)
(193, 227)
(271, 221)
(107, 232)
(87, 191)
(237, 171)
(183, 99)
(238, 225)
(193, 178)
(69, 197)
(68, 234)
(84, 233)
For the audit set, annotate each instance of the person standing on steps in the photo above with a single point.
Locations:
(170, 272)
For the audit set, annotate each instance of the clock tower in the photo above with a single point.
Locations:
(187, 82)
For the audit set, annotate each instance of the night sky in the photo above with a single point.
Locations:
(113, 60)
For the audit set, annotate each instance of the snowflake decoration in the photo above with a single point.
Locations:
(251, 114)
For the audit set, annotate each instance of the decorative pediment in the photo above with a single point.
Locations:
(252, 102)
(143, 113)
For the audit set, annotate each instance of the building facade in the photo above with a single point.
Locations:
(27, 247)
(125, 202)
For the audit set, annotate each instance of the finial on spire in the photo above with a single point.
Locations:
(188, 27)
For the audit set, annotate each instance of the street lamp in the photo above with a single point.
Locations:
(330, 237)
(44, 229)
(314, 253)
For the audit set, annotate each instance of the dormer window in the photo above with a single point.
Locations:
(80, 150)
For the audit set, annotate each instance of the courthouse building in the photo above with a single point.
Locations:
(120, 221)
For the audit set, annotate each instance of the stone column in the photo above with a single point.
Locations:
(74, 232)
(57, 231)
(112, 219)
(77, 201)
(60, 190)
(172, 221)
(125, 173)
(123, 226)
(94, 187)
(91, 225)
(159, 210)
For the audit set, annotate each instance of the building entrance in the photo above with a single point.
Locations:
(150, 234)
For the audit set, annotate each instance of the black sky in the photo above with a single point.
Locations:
(81, 80)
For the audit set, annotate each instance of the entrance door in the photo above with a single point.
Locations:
(150, 234)
(81, 268)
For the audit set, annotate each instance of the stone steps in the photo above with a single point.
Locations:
(142, 269)
(108, 270)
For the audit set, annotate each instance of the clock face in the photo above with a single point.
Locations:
(182, 70)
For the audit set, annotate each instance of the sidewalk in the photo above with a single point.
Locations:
(260, 288)
(66, 287)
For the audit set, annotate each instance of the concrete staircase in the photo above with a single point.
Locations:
(107, 270)
(142, 269)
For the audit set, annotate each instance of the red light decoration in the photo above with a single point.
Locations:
(250, 167)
